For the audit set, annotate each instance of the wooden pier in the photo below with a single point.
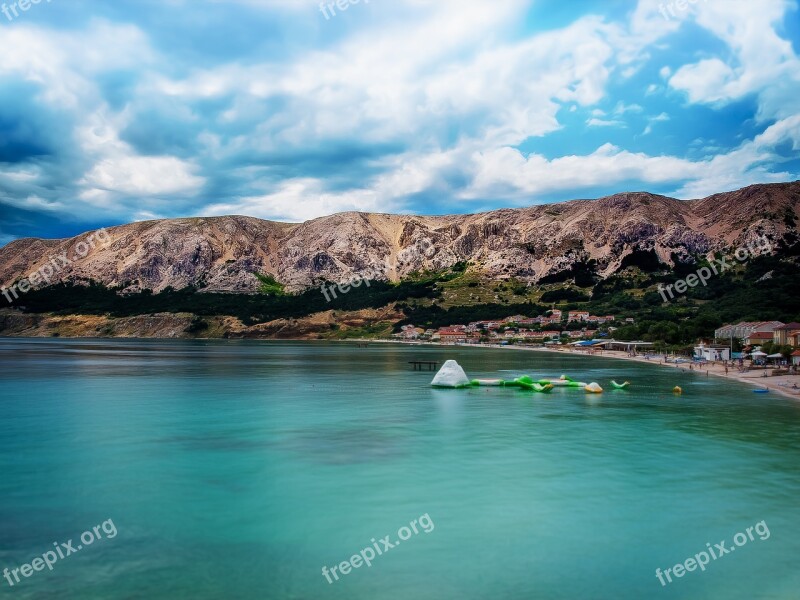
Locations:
(418, 364)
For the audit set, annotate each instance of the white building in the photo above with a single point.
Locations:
(712, 353)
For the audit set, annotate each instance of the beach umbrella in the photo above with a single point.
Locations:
(758, 353)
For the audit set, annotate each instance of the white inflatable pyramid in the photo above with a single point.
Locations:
(451, 375)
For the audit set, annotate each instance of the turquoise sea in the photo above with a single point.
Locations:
(237, 470)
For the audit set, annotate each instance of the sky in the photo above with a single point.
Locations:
(113, 111)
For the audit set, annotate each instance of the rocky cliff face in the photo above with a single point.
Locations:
(221, 254)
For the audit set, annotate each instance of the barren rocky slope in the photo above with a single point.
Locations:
(222, 253)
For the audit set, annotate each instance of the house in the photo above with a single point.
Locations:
(758, 337)
(410, 332)
(515, 319)
(782, 334)
(489, 325)
(796, 357)
(584, 334)
(712, 352)
(630, 320)
(473, 338)
(529, 335)
(556, 314)
(745, 328)
(600, 320)
(551, 335)
(577, 315)
(449, 335)
(534, 321)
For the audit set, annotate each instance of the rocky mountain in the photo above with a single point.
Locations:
(223, 253)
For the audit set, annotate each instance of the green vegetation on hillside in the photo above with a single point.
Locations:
(436, 316)
(766, 288)
(250, 309)
(269, 285)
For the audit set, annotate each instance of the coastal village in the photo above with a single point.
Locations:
(583, 331)
(544, 329)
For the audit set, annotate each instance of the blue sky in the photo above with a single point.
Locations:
(123, 110)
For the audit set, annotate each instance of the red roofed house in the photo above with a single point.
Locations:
(758, 337)
(449, 335)
(577, 315)
(553, 335)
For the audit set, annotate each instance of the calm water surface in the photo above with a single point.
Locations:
(240, 469)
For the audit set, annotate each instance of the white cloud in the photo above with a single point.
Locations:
(604, 123)
(760, 57)
(299, 200)
(450, 87)
(143, 176)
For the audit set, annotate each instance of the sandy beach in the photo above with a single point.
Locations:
(781, 384)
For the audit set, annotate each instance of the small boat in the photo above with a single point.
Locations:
(760, 391)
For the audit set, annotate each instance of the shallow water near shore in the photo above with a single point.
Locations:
(239, 469)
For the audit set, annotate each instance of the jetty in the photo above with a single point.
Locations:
(418, 364)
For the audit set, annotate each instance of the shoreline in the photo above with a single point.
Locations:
(753, 378)
(780, 384)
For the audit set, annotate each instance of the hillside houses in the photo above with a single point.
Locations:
(515, 328)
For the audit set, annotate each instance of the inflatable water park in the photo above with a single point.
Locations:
(452, 375)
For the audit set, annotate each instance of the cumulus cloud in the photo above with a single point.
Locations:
(414, 105)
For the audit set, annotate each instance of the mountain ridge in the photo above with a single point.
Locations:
(221, 254)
